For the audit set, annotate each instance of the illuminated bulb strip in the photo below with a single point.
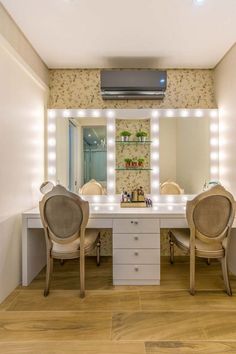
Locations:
(51, 146)
(214, 145)
(154, 158)
(111, 156)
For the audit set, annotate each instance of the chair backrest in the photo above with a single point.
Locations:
(210, 215)
(170, 187)
(64, 215)
(92, 188)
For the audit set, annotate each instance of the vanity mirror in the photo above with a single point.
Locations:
(184, 154)
(182, 146)
(81, 151)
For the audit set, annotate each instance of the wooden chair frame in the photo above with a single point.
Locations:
(194, 233)
(80, 233)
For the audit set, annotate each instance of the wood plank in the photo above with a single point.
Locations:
(170, 347)
(29, 326)
(69, 300)
(183, 301)
(148, 326)
(73, 347)
(182, 325)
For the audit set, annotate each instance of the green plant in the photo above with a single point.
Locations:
(140, 160)
(141, 133)
(125, 133)
(128, 160)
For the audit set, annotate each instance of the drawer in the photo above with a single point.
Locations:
(130, 226)
(136, 240)
(143, 271)
(134, 256)
(173, 223)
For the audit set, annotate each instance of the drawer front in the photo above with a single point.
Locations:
(173, 223)
(136, 256)
(136, 240)
(143, 271)
(99, 224)
(129, 226)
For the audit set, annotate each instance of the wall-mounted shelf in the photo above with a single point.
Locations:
(133, 169)
(133, 142)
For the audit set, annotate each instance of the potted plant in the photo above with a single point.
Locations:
(125, 135)
(127, 162)
(140, 162)
(141, 135)
(134, 163)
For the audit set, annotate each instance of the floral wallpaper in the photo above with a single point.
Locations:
(80, 88)
(130, 180)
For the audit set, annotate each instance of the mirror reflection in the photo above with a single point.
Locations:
(184, 155)
(82, 155)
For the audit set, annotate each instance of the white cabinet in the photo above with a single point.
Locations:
(136, 252)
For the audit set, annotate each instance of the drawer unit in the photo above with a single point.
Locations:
(136, 252)
(136, 256)
(140, 272)
(132, 226)
(136, 240)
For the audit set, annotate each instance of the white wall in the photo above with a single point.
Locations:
(225, 88)
(13, 35)
(22, 106)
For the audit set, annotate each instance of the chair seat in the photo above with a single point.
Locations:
(182, 238)
(91, 236)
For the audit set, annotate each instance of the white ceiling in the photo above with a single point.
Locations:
(127, 33)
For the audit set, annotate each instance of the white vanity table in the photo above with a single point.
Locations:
(136, 240)
(136, 232)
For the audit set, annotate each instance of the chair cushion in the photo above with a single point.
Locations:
(91, 236)
(182, 236)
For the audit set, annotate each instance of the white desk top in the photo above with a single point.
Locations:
(113, 210)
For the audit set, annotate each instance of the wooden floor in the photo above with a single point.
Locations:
(121, 320)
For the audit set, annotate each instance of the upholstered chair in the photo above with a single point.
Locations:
(64, 216)
(92, 188)
(210, 216)
(170, 187)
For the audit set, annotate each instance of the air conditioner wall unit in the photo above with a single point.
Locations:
(133, 84)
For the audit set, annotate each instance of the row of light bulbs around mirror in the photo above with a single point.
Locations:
(214, 141)
(154, 113)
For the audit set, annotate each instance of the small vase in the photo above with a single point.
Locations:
(124, 138)
(142, 138)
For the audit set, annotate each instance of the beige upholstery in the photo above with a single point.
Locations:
(170, 187)
(92, 188)
(64, 216)
(210, 217)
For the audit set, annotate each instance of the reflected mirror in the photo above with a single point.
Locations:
(184, 154)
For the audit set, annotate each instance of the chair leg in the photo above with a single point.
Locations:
(171, 248)
(208, 261)
(192, 273)
(98, 251)
(225, 272)
(82, 276)
(49, 270)
(62, 261)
